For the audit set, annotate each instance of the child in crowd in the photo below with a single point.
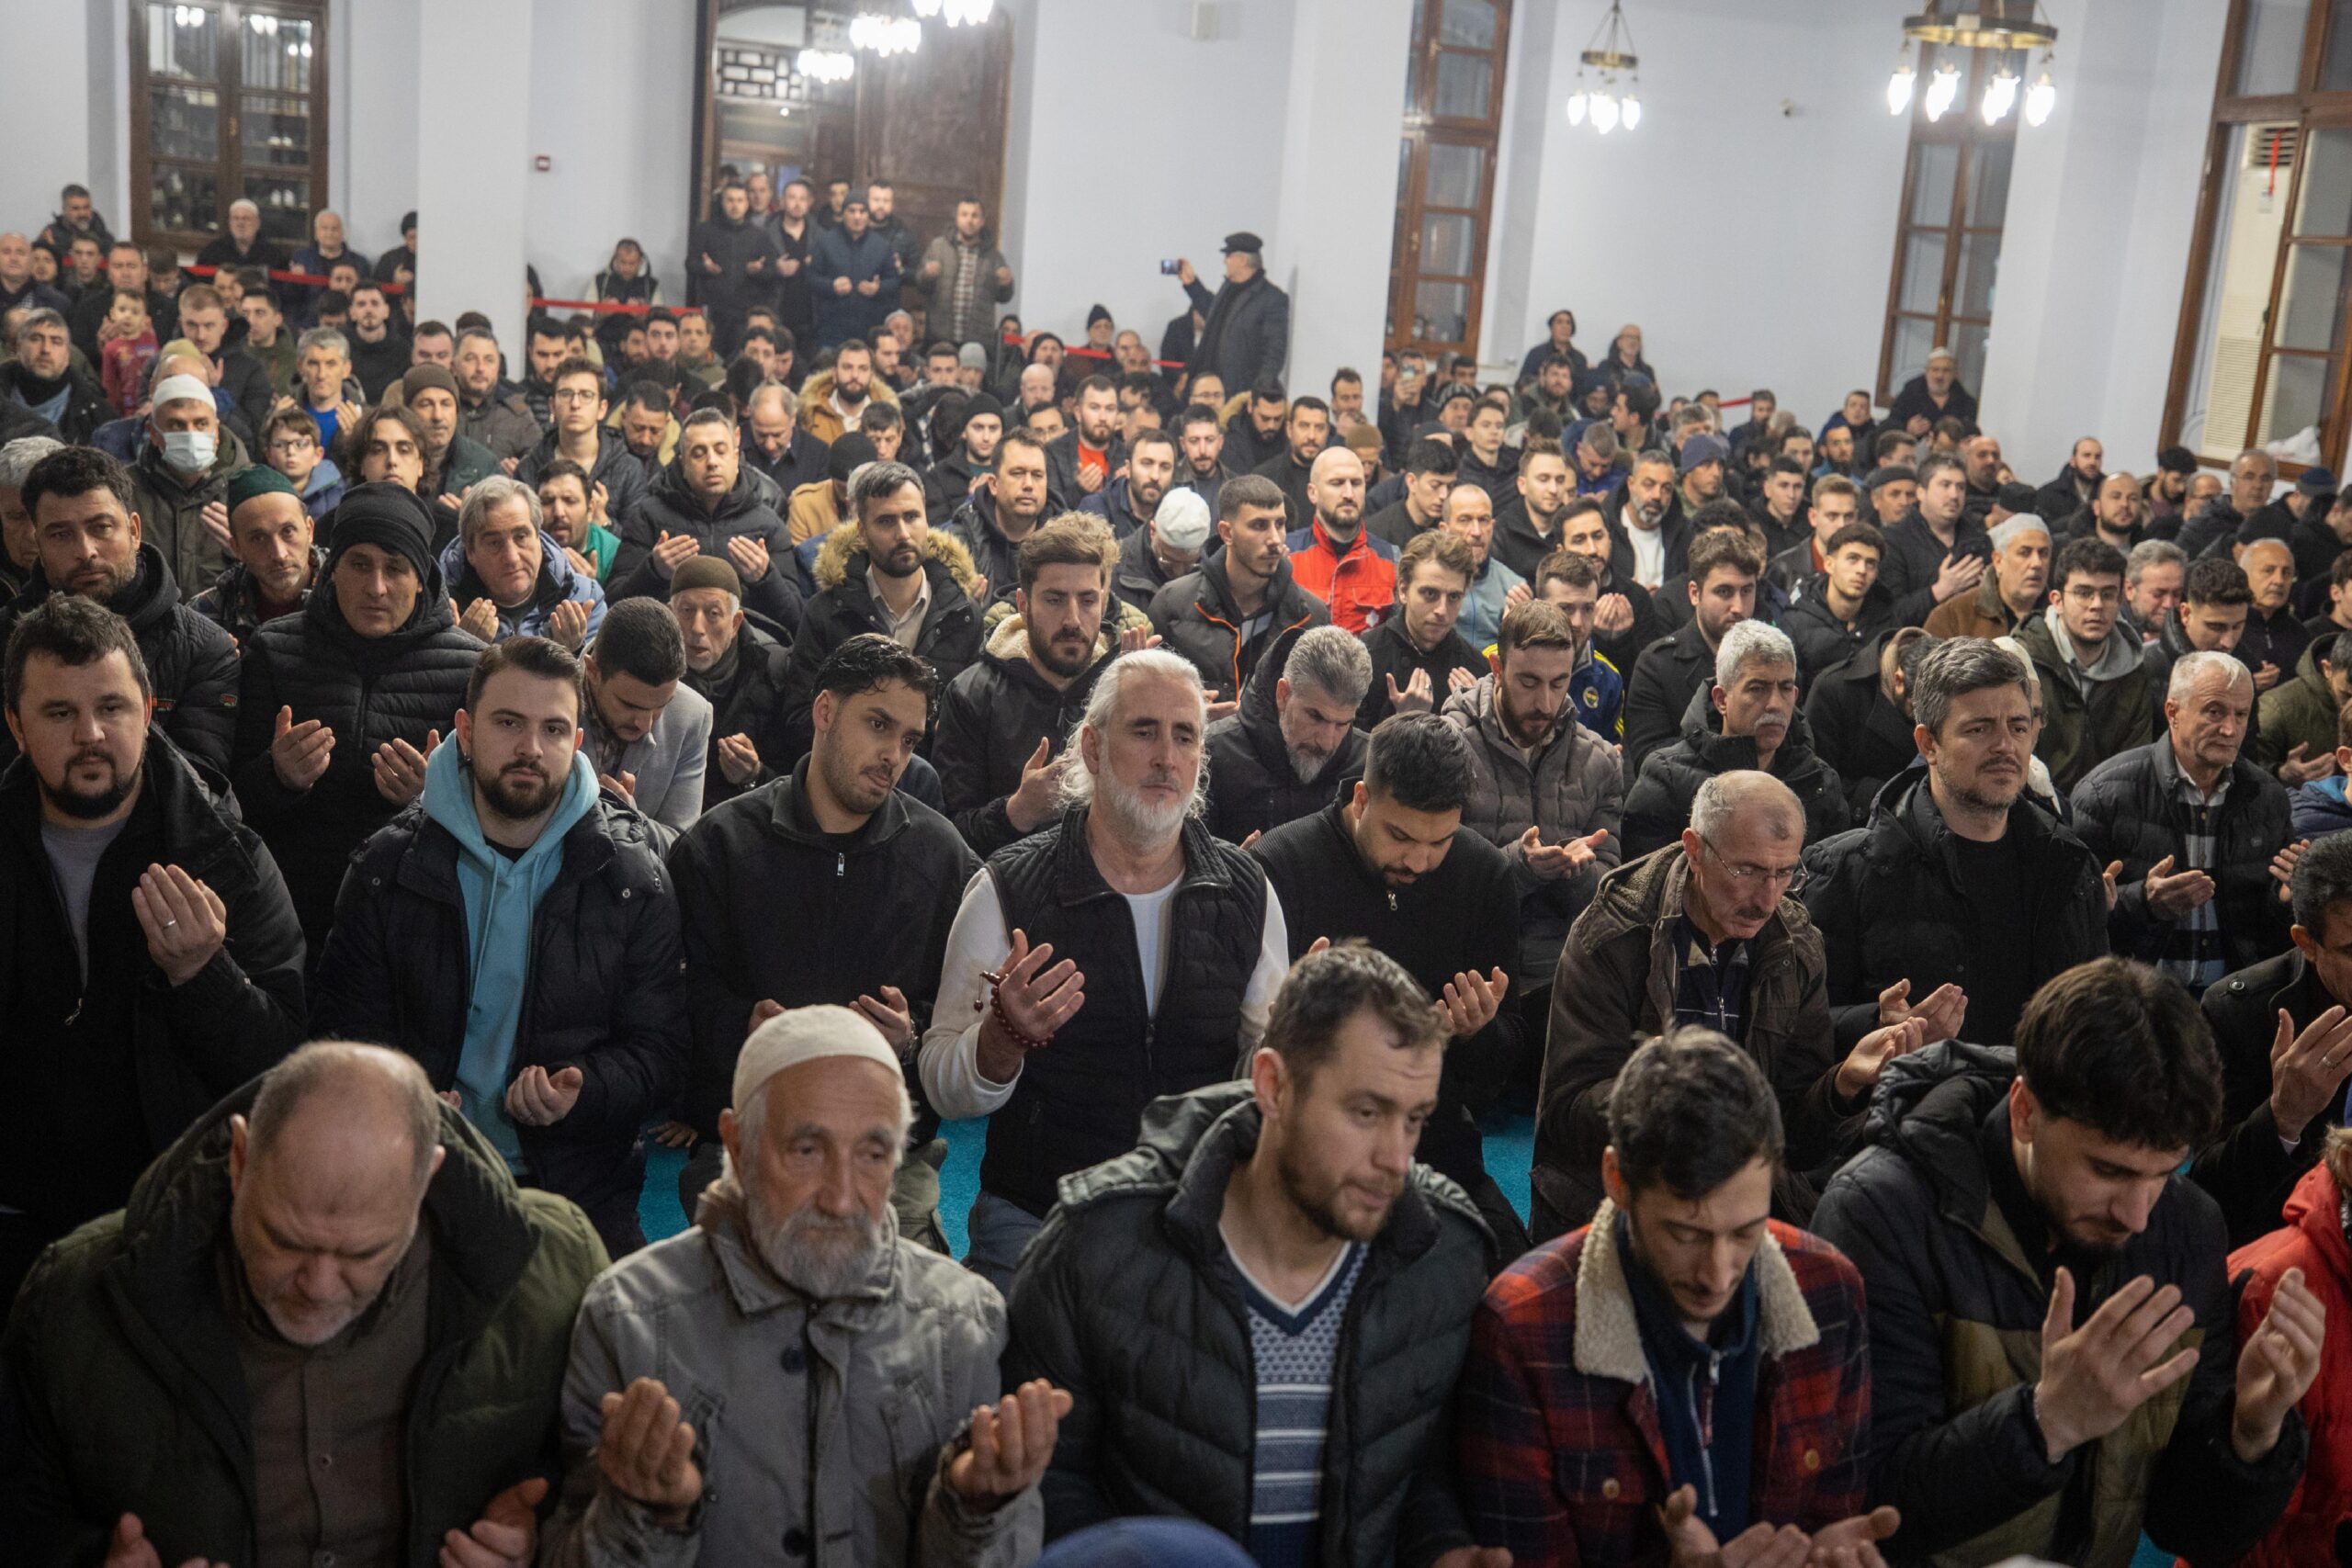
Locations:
(130, 348)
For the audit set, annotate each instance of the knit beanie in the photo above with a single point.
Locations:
(705, 572)
(423, 375)
(387, 516)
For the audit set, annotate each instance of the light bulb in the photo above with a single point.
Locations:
(1632, 111)
(1578, 102)
(1898, 88)
(1943, 87)
(1604, 113)
(2000, 94)
(2041, 98)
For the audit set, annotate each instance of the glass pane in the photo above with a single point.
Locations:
(1923, 271)
(2335, 67)
(1442, 312)
(276, 52)
(1912, 338)
(181, 41)
(2311, 299)
(1447, 240)
(184, 199)
(2294, 403)
(1988, 183)
(1463, 82)
(1457, 175)
(2270, 54)
(184, 122)
(1969, 343)
(1934, 166)
(1468, 24)
(2323, 207)
(284, 203)
(2247, 217)
(1980, 265)
(276, 131)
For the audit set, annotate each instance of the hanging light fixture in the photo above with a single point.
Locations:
(2010, 29)
(826, 66)
(885, 36)
(1606, 104)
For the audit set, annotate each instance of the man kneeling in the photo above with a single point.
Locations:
(789, 1379)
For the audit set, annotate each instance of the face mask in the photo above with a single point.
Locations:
(189, 451)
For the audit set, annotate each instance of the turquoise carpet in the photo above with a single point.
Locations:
(1510, 1145)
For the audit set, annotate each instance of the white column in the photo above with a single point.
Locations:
(473, 163)
(1330, 246)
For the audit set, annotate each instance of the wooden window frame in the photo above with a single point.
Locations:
(1423, 125)
(1962, 127)
(227, 166)
(2308, 109)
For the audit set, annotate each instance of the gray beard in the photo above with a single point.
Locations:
(822, 1255)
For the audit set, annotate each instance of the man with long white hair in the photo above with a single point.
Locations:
(1120, 955)
(792, 1371)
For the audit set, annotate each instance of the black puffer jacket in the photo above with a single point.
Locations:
(1253, 787)
(1957, 1302)
(1396, 657)
(1888, 900)
(233, 603)
(1823, 641)
(749, 696)
(1658, 806)
(1196, 616)
(949, 638)
(622, 475)
(2129, 809)
(1866, 738)
(368, 691)
(603, 992)
(669, 507)
(191, 663)
(2248, 1171)
(872, 912)
(1127, 1298)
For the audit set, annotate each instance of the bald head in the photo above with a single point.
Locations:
(1742, 801)
(365, 1097)
(1335, 488)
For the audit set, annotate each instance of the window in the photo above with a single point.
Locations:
(1948, 245)
(1453, 93)
(228, 100)
(2260, 358)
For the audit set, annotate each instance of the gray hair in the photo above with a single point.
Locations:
(325, 1063)
(1656, 455)
(493, 492)
(2255, 454)
(879, 481)
(248, 203)
(1955, 668)
(323, 337)
(1745, 791)
(2191, 667)
(1751, 642)
(2148, 553)
(18, 457)
(1334, 663)
(44, 317)
(1599, 439)
(1077, 785)
(769, 392)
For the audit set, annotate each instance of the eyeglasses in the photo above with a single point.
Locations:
(1788, 878)
(572, 395)
(288, 449)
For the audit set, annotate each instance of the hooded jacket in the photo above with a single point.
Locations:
(1891, 904)
(574, 948)
(990, 720)
(405, 685)
(819, 417)
(2298, 711)
(1570, 786)
(1127, 1298)
(171, 509)
(668, 506)
(234, 601)
(2319, 806)
(2085, 722)
(622, 475)
(191, 663)
(1957, 1304)
(1253, 787)
(127, 1394)
(1658, 806)
(1196, 616)
(559, 582)
(1614, 987)
(844, 607)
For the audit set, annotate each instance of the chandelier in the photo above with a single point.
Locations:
(1611, 52)
(2011, 29)
(885, 36)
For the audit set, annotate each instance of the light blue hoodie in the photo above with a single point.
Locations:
(502, 900)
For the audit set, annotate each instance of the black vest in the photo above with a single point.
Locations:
(1080, 1100)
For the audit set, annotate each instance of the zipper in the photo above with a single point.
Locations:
(841, 864)
(1392, 900)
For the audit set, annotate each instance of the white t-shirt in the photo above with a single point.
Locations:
(1649, 554)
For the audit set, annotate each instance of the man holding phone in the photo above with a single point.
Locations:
(1246, 335)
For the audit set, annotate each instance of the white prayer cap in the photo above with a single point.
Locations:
(2010, 527)
(182, 388)
(804, 1034)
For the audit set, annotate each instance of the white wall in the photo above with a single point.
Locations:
(375, 61)
(67, 61)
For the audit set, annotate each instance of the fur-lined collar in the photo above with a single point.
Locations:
(1008, 634)
(843, 542)
(816, 390)
(1608, 1341)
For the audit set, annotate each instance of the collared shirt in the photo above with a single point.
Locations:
(1710, 983)
(2193, 952)
(906, 628)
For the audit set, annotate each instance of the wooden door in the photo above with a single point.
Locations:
(933, 123)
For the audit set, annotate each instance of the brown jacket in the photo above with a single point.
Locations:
(1980, 613)
(809, 513)
(1616, 987)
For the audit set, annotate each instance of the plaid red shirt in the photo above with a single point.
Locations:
(1561, 1457)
